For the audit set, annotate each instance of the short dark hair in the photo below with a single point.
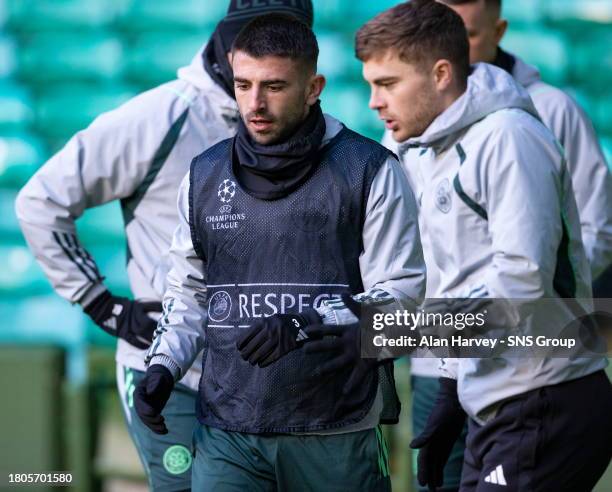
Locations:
(421, 32)
(278, 35)
(495, 5)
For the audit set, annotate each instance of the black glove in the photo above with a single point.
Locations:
(443, 428)
(269, 339)
(344, 344)
(123, 318)
(151, 396)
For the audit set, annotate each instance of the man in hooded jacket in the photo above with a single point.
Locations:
(138, 154)
(586, 164)
(571, 126)
(498, 220)
(590, 175)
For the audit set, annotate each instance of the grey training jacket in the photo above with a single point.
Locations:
(496, 199)
(590, 176)
(589, 173)
(138, 154)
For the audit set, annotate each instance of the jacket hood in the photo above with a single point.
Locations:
(524, 73)
(196, 75)
(489, 89)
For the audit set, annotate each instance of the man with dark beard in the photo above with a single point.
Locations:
(138, 154)
(276, 225)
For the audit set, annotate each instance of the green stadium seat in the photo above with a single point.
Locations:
(572, 11)
(9, 226)
(348, 15)
(546, 49)
(602, 116)
(592, 60)
(364, 11)
(103, 224)
(522, 11)
(20, 275)
(41, 15)
(155, 57)
(21, 154)
(336, 59)
(54, 57)
(349, 104)
(15, 107)
(329, 13)
(148, 15)
(64, 110)
(8, 56)
(582, 21)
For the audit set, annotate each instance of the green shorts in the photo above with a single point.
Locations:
(424, 392)
(234, 461)
(167, 459)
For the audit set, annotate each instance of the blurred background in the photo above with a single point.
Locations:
(62, 63)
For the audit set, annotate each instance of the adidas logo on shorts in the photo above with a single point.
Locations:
(496, 476)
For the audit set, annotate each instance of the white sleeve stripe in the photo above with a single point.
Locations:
(80, 265)
(161, 329)
(84, 254)
(72, 253)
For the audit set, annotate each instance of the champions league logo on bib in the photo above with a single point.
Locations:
(220, 306)
(226, 191)
(225, 219)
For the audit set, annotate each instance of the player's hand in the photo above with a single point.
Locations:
(443, 428)
(151, 396)
(269, 339)
(124, 318)
(342, 343)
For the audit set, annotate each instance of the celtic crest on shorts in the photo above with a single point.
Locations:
(177, 459)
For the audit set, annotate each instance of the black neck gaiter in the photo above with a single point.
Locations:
(504, 61)
(216, 63)
(273, 171)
